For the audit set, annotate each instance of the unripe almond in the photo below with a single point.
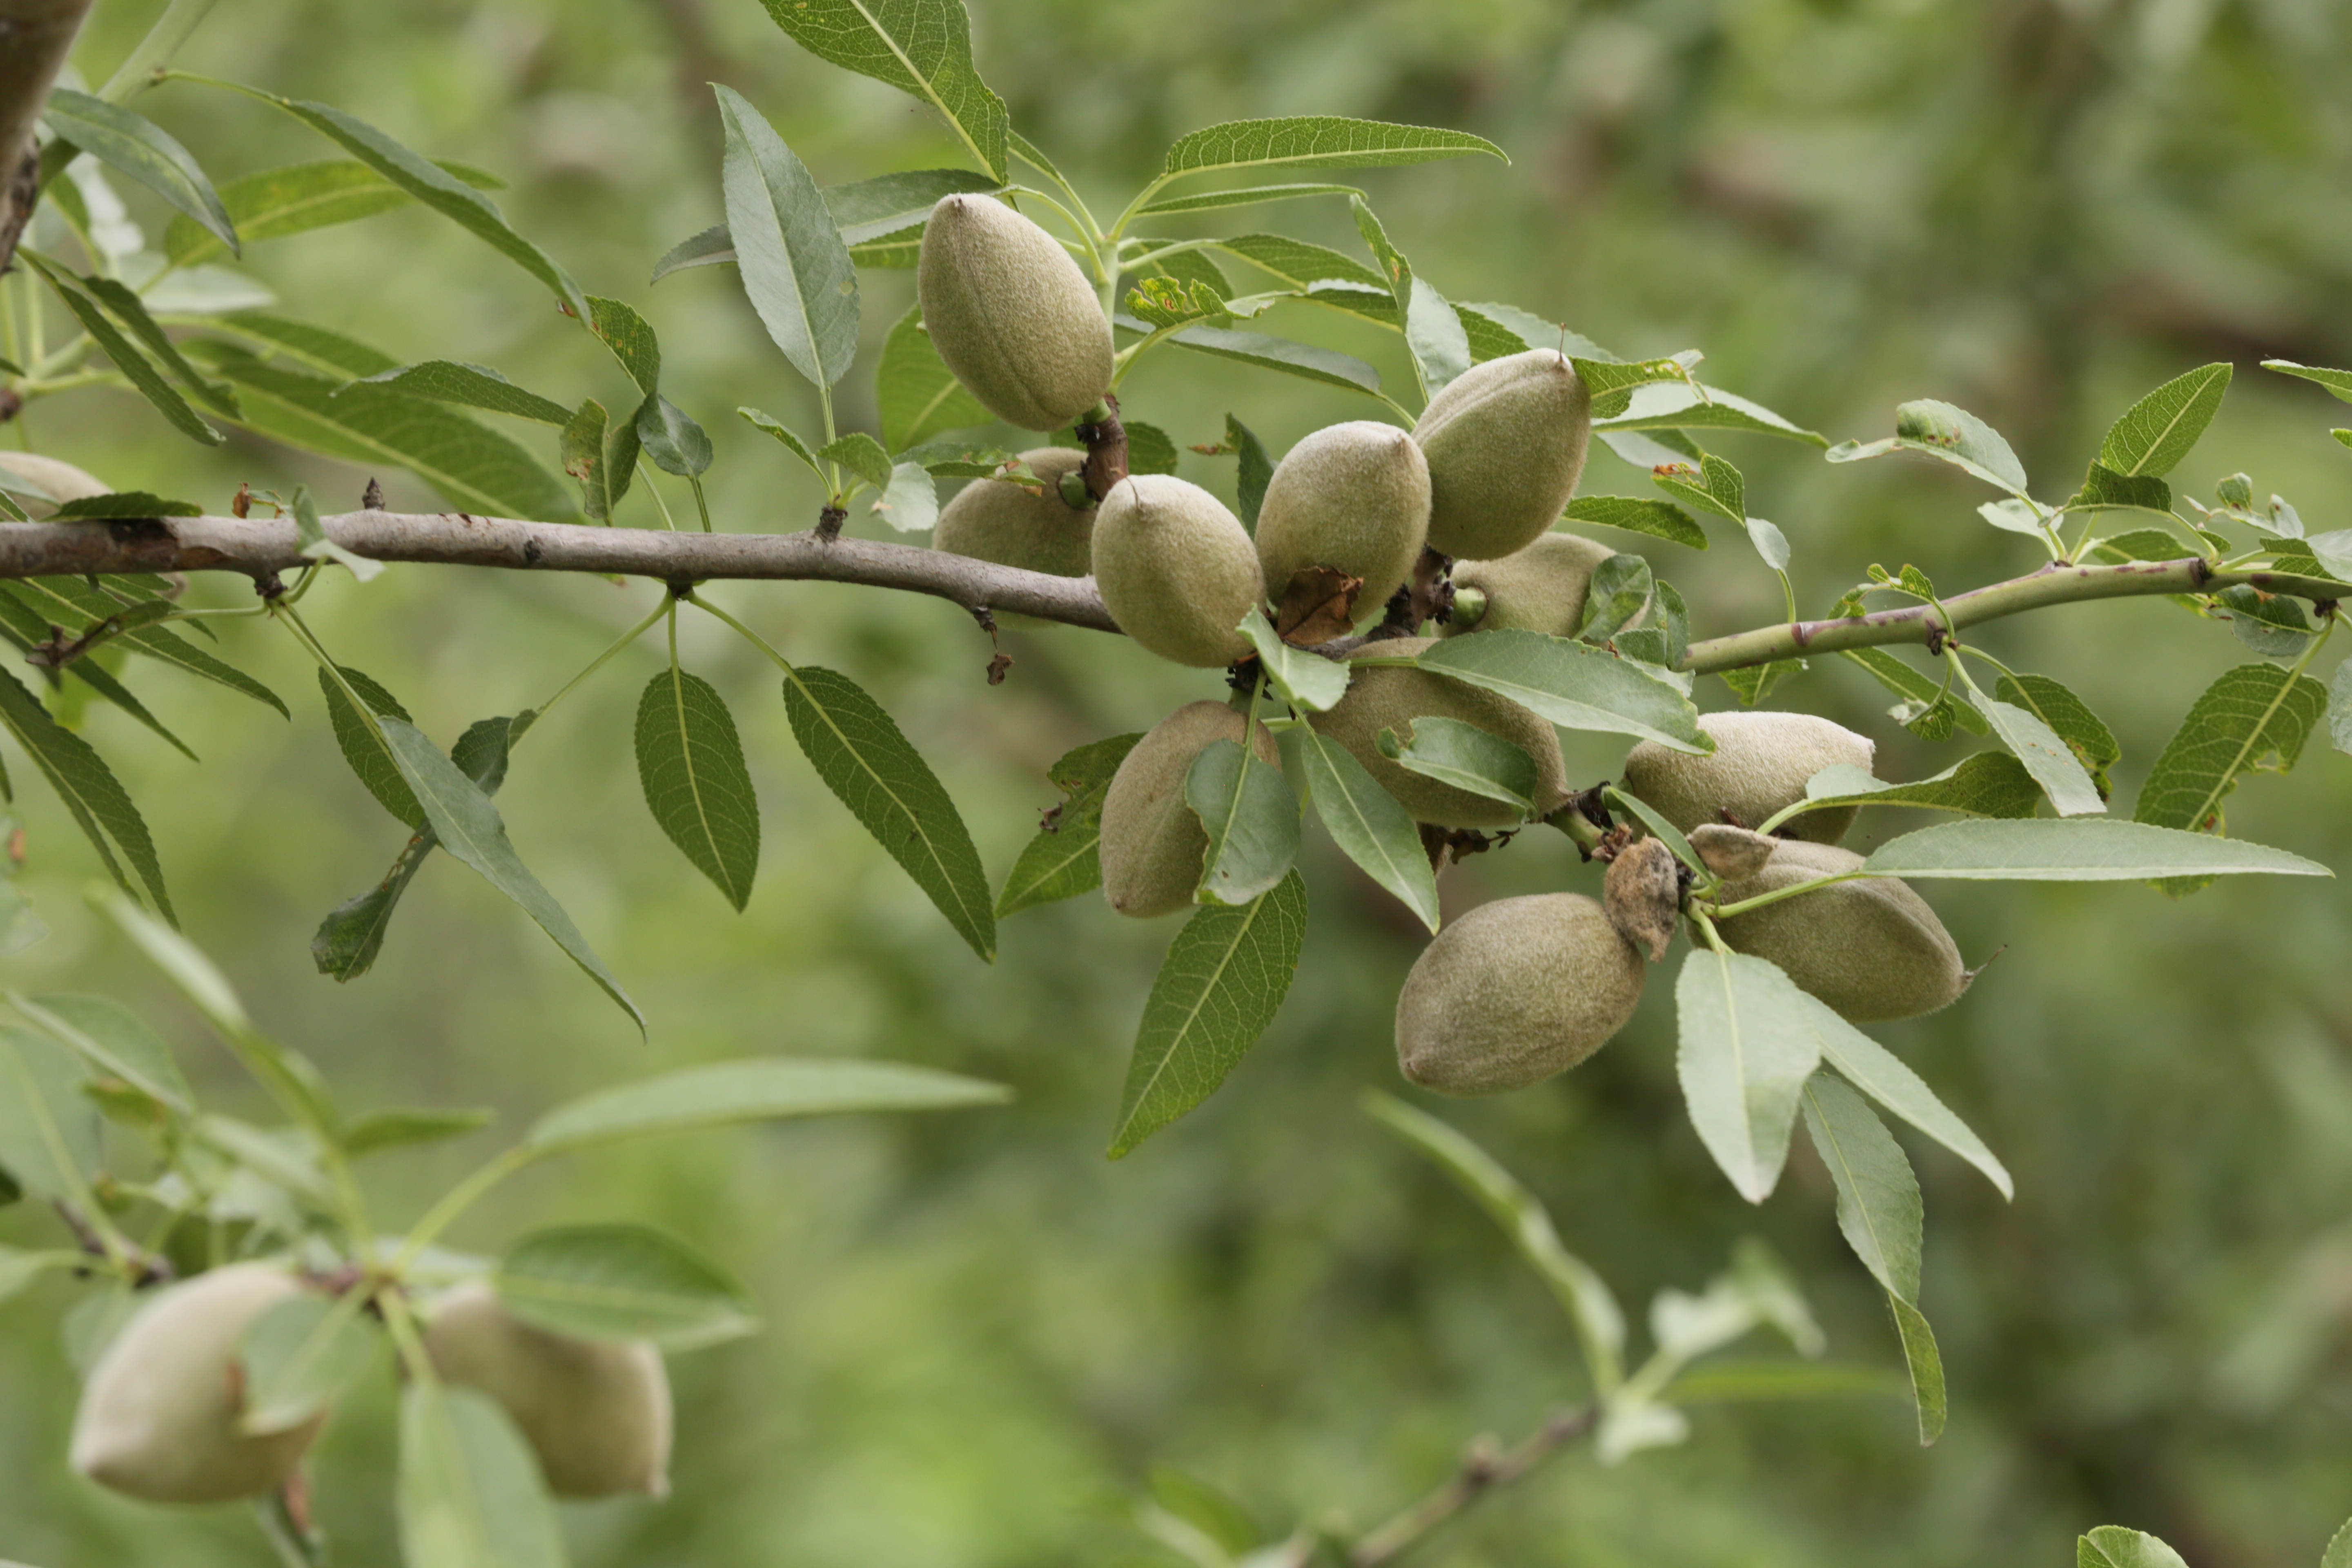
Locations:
(1871, 948)
(1012, 525)
(1152, 845)
(1012, 314)
(1505, 444)
(1176, 570)
(1392, 698)
(1644, 895)
(596, 1412)
(1515, 992)
(1758, 769)
(1543, 588)
(1734, 854)
(158, 1419)
(1354, 496)
(61, 480)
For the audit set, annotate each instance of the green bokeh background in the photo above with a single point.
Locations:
(981, 1337)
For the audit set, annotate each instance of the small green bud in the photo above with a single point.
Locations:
(1758, 769)
(1176, 570)
(159, 1418)
(2237, 490)
(1152, 845)
(1012, 314)
(596, 1412)
(1515, 992)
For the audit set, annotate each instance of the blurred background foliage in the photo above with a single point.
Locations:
(981, 1336)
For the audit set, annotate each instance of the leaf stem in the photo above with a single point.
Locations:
(455, 1202)
(148, 63)
(707, 607)
(623, 640)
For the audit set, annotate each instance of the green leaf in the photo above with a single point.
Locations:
(672, 439)
(861, 455)
(1256, 471)
(1714, 486)
(1647, 816)
(133, 145)
(1678, 406)
(1301, 676)
(469, 1494)
(1581, 1293)
(1878, 1206)
(2338, 382)
(920, 47)
(2048, 758)
(1926, 1364)
(470, 828)
(1062, 861)
(910, 501)
(1575, 686)
(1885, 1078)
(631, 339)
(1912, 686)
(795, 268)
(2157, 431)
(2071, 719)
(1762, 1380)
(1369, 826)
(302, 1356)
(2273, 625)
(1244, 196)
(1752, 684)
(917, 394)
(622, 1282)
(475, 469)
(1316, 140)
(887, 785)
(474, 385)
(956, 460)
(1251, 817)
(132, 311)
(409, 1126)
(1637, 514)
(583, 447)
(1989, 783)
(697, 785)
(886, 204)
(1223, 979)
(1611, 381)
(88, 787)
(61, 599)
(1150, 449)
(128, 358)
(2340, 707)
(2099, 850)
(50, 1138)
(299, 197)
(363, 745)
(2113, 1546)
(1619, 591)
(1300, 264)
(434, 186)
(709, 249)
(2103, 490)
(1746, 1045)
(762, 1088)
(19, 1268)
(1954, 435)
(2254, 719)
(1328, 366)
(113, 1039)
(2339, 1549)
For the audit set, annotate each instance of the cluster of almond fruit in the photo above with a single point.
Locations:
(1516, 990)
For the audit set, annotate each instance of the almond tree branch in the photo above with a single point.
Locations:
(1482, 1470)
(258, 547)
(35, 37)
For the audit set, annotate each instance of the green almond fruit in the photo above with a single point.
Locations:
(1176, 570)
(1353, 497)
(159, 1417)
(1516, 991)
(53, 480)
(1012, 525)
(1011, 313)
(1153, 846)
(1505, 444)
(1871, 949)
(1543, 588)
(1758, 770)
(596, 1412)
(1392, 698)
